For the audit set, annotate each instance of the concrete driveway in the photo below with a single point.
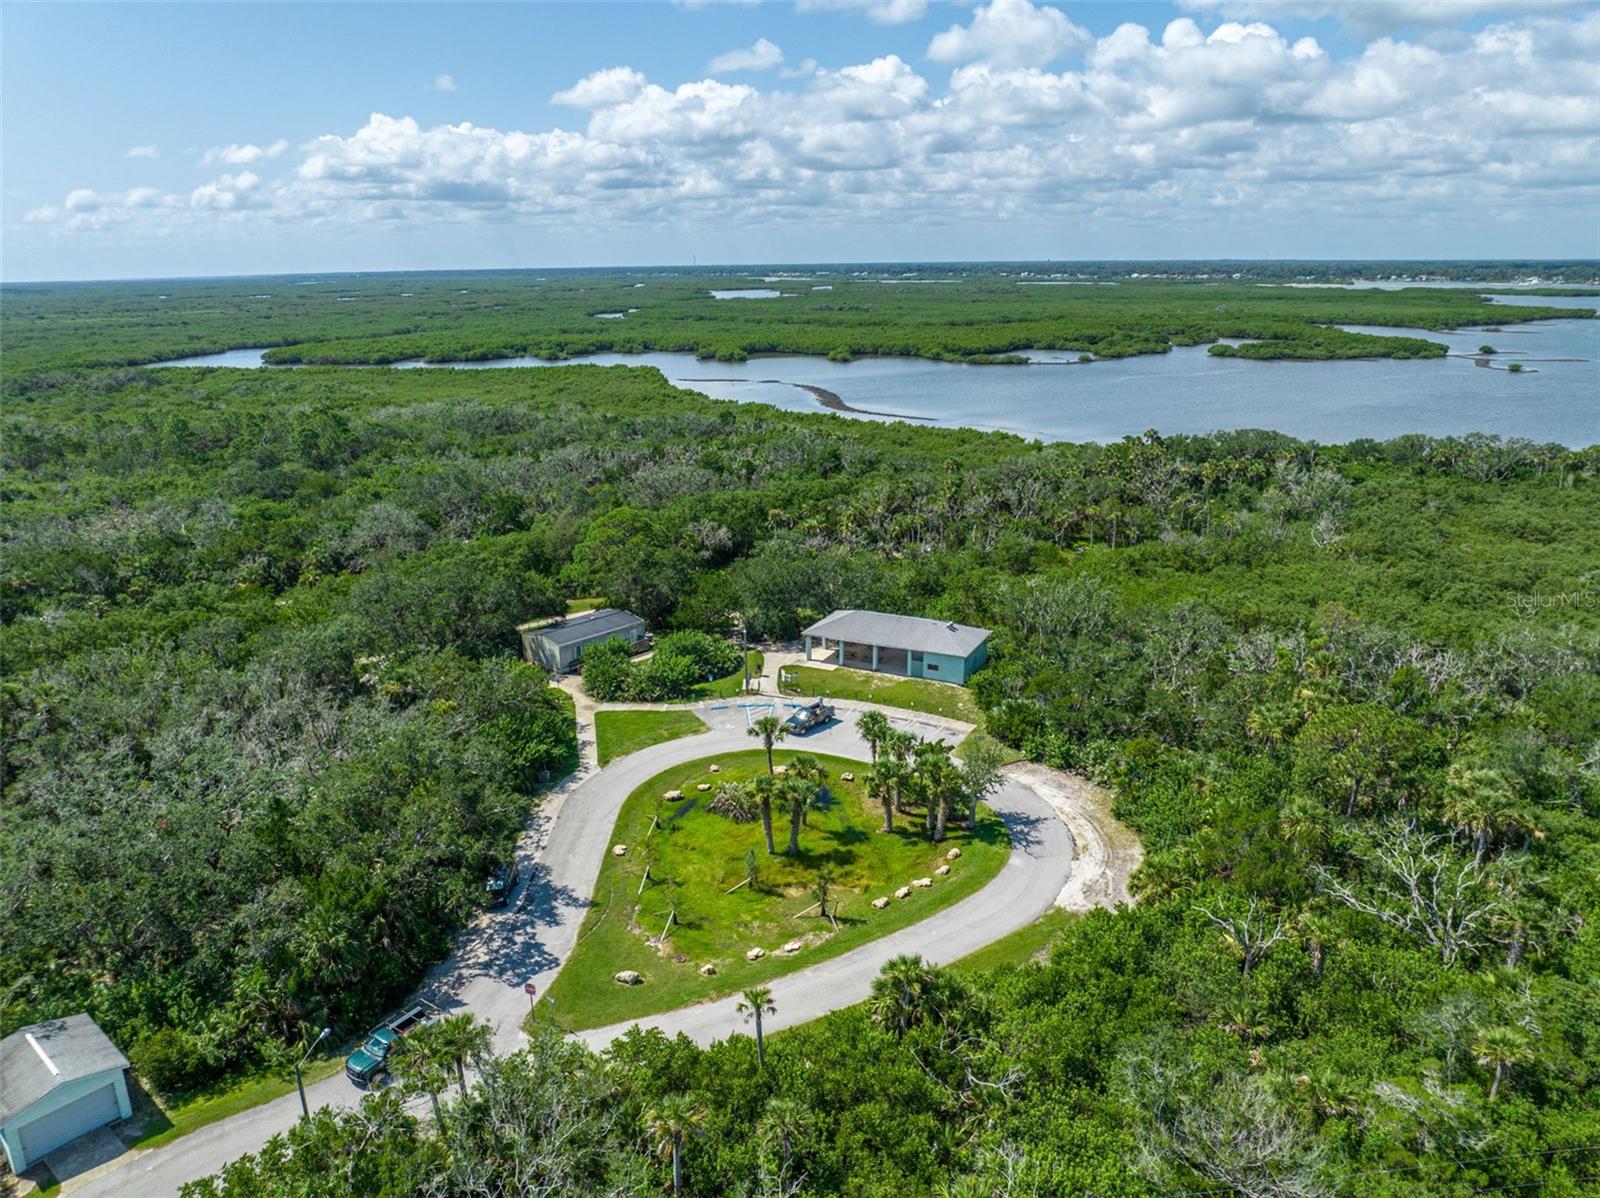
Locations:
(561, 856)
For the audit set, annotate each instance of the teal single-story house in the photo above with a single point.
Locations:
(910, 646)
(58, 1080)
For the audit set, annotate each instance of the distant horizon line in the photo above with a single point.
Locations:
(737, 267)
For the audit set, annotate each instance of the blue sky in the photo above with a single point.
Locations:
(154, 139)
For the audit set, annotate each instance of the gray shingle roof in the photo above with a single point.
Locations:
(608, 621)
(35, 1060)
(900, 632)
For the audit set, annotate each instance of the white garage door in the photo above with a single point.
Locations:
(94, 1109)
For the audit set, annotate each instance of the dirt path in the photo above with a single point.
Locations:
(1105, 850)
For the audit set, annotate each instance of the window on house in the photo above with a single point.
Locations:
(932, 669)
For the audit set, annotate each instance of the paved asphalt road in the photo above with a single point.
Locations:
(562, 855)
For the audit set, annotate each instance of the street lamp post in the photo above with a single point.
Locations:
(305, 1111)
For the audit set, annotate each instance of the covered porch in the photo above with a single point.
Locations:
(854, 655)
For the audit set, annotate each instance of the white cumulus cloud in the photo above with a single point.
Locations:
(444, 83)
(762, 56)
(1010, 33)
(614, 85)
(246, 154)
(879, 12)
(1177, 126)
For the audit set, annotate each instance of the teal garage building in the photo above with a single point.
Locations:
(909, 646)
(58, 1080)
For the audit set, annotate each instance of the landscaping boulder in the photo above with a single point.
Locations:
(792, 947)
(755, 954)
(847, 776)
(672, 796)
(903, 892)
(619, 850)
(922, 883)
(627, 977)
(713, 769)
(942, 870)
(880, 903)
(703, 787)
(952, 854)
(708, 970)
(780, 769)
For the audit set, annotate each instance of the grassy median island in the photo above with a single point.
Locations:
(697, 862)
(618, 733)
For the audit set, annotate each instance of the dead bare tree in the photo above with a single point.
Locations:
(1424, 888)
(1250, 934)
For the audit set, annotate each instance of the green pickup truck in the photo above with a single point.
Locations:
(371, 1061)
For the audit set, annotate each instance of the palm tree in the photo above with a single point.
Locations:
(883, 784)
(765, 786)
(940, 782)
(781, 1126)
(463, 1038)
(770, 729)
(796, 796)
(419, 1062)
(875, 729)
(1479, 802)
(667, 1123)
(1499, 1048)
(901, 992)
(807, 769)
(753, 1004)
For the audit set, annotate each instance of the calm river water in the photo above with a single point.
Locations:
(1185, 391)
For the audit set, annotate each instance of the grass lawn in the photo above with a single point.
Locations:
(1027, 943)
(733, 684)
(915, 694)
(618, 733)
(700, 856)
(172, 1118)
(574, 606)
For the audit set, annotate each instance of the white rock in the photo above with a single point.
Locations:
(673, 795)
(952, 854)
(847, 777)
(942, 870)
(880, 903)
(619, 850)
(780, 769)
(793, 947)
(922, 883)
(755, 954)
(627, 977)
(703, 787)
(903, 892)
(713, 769)
(708, 970)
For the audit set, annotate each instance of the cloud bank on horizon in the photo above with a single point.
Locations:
(1013, 110)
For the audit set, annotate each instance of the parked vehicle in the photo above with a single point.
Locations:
(371, 1061)
(812, 715)
(502, 882)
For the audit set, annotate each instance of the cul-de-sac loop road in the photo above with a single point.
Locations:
(1066, 850)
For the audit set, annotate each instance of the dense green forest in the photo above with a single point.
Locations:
(962, 315)
(266, 727)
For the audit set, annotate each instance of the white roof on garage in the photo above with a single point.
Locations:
(900, 632)
(35, 1060)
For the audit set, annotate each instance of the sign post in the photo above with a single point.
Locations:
(530, 990)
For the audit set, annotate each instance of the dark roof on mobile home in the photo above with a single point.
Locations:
(580, 629)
